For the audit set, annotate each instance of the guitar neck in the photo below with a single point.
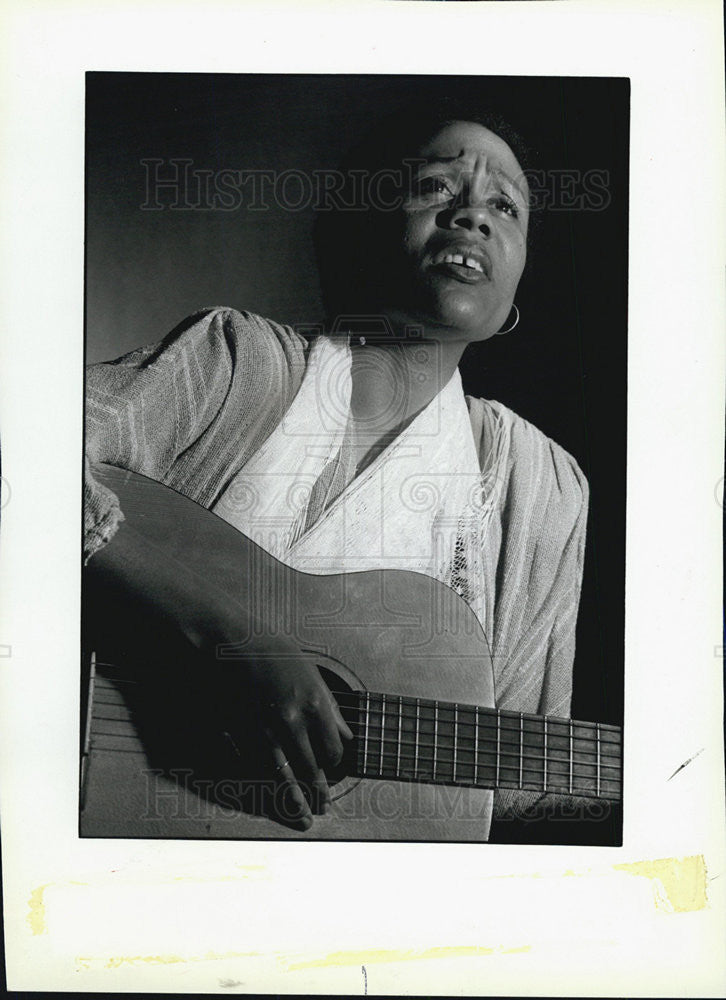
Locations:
(417, 739)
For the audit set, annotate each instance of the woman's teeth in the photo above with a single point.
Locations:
(457, 258)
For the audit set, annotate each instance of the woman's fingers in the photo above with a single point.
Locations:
(304, 724)
(294, 804)
(326, 735)
(310, 773)
(315, 728)
(343, 727)
(296, 763)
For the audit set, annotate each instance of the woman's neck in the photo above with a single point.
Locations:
(391, 382)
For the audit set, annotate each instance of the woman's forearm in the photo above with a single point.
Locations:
(133, 578)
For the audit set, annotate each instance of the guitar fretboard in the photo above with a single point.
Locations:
(416, 739)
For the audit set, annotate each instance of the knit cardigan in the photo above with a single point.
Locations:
(193, 409)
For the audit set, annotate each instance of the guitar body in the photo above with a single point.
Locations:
(157, 760)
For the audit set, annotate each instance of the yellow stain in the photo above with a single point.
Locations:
(36, 917)
(679, 883)
(115, 962)
(379, 955)
(679, 886)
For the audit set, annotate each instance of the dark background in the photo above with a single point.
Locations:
(563, 368)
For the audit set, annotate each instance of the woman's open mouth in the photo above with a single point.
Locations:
(470, 265)
(463, 269)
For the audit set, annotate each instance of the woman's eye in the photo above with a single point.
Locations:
(433, 185)
(504, 204)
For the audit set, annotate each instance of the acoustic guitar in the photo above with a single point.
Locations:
(406, 659)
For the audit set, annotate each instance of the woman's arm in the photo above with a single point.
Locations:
(186, 412)
(144, 408)
(135, 579)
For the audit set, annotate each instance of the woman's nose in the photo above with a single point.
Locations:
(471, 217)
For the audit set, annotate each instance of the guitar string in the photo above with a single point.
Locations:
(585, 742)
(511, 754)
(487, 721)
(483, 721)
(482, 716)
(519, 751)
(581, 783)
(482, 728)
(611, 791)
(613, 780)
(607, 785)
(525, 758)
(529, 762)
(525, 753)
(485, 712)
(420, 765)
(552, 747)
(588, 740)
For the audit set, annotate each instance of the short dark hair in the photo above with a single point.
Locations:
(346, 233)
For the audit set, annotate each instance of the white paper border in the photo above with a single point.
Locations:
(251, 917)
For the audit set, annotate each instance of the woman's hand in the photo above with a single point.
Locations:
(297, 716)
(273, 682)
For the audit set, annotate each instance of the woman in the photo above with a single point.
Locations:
(334, 438)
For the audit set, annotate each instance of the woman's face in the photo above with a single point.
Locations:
(463, 242)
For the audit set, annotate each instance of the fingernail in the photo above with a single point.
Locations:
(320, 805)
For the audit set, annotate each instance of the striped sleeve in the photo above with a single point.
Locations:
(539, 579)
(143, 408)
(182, 411)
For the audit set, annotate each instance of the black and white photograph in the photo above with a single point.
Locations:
(354, 541)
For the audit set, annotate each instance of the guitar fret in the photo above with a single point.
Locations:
(365, 735)
(531, 764)
(496, 779)
(476, 745)
(597, 737)
(521, 747)
(544, 785)
(571, 745)
(398, 739)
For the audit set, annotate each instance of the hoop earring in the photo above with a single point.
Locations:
(510, 328)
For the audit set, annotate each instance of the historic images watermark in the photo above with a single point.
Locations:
(373, 801)
(178, 184)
